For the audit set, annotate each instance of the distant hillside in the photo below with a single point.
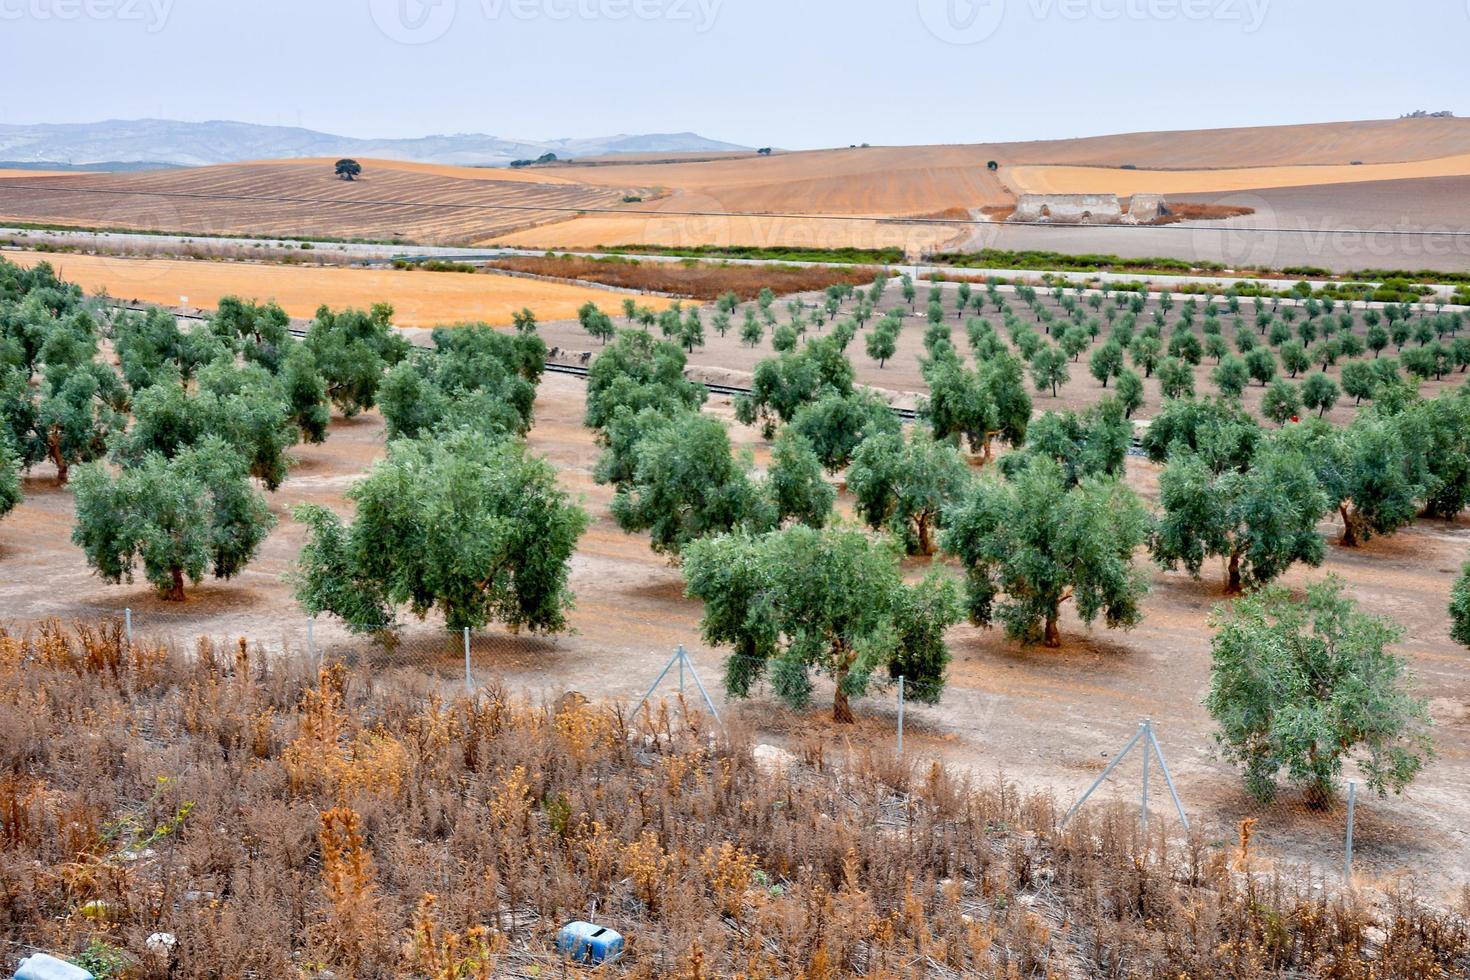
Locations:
(160, 141)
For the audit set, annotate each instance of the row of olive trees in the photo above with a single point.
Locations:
(173, 429)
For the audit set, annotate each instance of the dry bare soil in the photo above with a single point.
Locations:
(1050, 719)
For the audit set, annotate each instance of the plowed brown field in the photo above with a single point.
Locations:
(388, 202)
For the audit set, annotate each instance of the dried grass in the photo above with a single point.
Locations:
(288, 824)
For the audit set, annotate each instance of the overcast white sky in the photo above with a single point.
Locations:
(789, 73)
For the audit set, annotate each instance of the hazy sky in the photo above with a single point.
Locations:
(789, 73)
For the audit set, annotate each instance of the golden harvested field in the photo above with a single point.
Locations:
(921, 180)
(291, 199)
(1102, 180)
(421, 299)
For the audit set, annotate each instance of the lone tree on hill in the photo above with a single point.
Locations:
(1300, 686)
(1040, 544)
(348, 169)
(469, 524)
(800, 600)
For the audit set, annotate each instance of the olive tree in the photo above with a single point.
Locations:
(1259, 521)
(1040, 544)
(800, 601)
(180, 517)
(467, 524)
(978, 406)
(9, 479)
(638, 371)
(686, 484)
(1298, 687)
(1460, 608)
(836, 424)
(905, 485)
(353, 348)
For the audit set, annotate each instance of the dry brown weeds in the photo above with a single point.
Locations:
(282, 823)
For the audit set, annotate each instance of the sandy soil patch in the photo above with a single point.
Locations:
(420, 299)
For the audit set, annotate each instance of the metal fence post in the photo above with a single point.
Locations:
(900, 715)
(682, 657)
(1147, 757)
(469, 682)
(311, 640)
(1347, 864)
(128, 624)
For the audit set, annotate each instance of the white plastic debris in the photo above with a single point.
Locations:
(45, 967)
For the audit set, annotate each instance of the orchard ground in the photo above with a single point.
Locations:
(1048, 719)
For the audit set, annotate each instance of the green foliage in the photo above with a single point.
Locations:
(9, 479)
(1106, 362)
(242, 406)
(1281, 402)
(1319, 392)
(1370, 473)
(179, 517)
(794, 484)
(472, 526)
(686, 484)
(260, 332)
(1093, 443)
(783, 384)
(798, 601)
(80, 411)
(1049, 369)
(639, 372)
(1039, 544)
(476, 378)
(1221, 429)
(1176, 378)
(1299, 687)
(1130, 392)
(1260, 521)
(1460, 608)
(836, 424)
(905, 486)
(352, 349)
(1231, 376)
(882, 342)
(979, 406)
